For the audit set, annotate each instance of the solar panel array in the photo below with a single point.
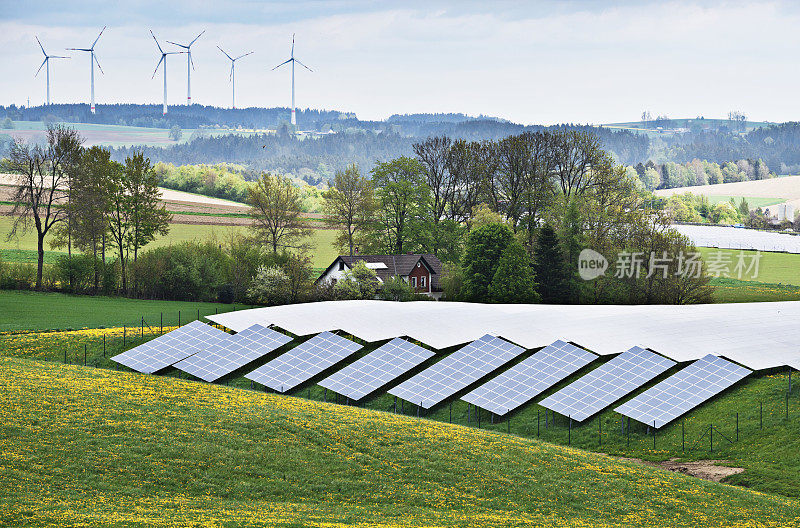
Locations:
(303, 362)
(171, 347)
(457, 371)
(530, 377)
(377, 368)
(683, 391)
(608, 383)
(228, 355)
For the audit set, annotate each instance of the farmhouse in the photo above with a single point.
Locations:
(422, 271)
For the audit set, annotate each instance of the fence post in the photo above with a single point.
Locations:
(537, 423)
(737, 426)
(124, 331)
(711, 436)
(629, 431)
(84, 355)
(161, 327)
(654, 434)
(104, 344)
(683, 435)
(141, 334)
(65, 356)
(569, 434)
(599, 431)
(198, 314)
(787, 406)
(179, 317)
(508, 423)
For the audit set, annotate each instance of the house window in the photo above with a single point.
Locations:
(413, 282)
(341, 265)
(422, 282)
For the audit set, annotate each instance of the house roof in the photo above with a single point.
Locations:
(400, 265)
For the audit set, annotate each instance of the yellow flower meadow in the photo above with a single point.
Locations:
(93, 447)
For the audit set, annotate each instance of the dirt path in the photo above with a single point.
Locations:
(704, 469)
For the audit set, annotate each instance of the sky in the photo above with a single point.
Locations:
(543, 62)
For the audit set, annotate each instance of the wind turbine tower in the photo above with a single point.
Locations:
(164, 60)
(189, 65)
(232, 76)
(46, 63)
(292, 60)
(92, 61)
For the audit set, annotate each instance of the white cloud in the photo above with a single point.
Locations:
(575, 64)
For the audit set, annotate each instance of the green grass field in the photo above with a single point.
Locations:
(23, 248)
(23, 310)
(752, 201)
(119, 135)
(126, 449)
(773, 268)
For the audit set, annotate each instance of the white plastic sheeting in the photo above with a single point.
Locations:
(757, 335)
(739, 238)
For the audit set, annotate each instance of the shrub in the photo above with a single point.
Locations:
(75, 273)
(270, 286)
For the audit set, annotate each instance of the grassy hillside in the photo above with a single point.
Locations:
(24, 310)
(773, 268)
(133, 450)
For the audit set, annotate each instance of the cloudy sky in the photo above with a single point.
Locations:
(577, 61)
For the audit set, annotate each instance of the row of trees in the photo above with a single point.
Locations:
(697, 172)
(87, 200)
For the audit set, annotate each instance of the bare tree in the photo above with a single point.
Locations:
(42, 184)
(433, 155)
(275, 208)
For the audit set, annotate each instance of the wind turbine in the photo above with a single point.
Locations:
(232, 76)
(164, 60)
(189, 65)
(46, 62)
(292, 60)
(92, 60)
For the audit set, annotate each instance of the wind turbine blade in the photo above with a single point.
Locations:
(157, 65)
(176, 44)
(292, 44)
(78, 49)
(303, 65)
(157, 44)
(281, 64)
(58, 57)
(42, 66)
(191, 60)
(98, 65)
(98, 36)
(223, 51)
(195, 39)
(40, 45)
(245, 55)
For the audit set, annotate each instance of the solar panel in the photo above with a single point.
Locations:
(303, 362)
(683, 391)
(606, 384)
(530, 377)
(236, 351)
(171, 347)
(377, 368)
(457, 371)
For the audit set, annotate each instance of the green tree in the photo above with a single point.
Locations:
(148, 216)
(350, 206)
(483, 251)
(270, 286)
(403, 202)
(359, 282)
(551, 268)
(396, 289)
(90, 204)
(513, 282)
(275, 206)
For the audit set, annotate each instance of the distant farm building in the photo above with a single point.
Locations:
(423, 272)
